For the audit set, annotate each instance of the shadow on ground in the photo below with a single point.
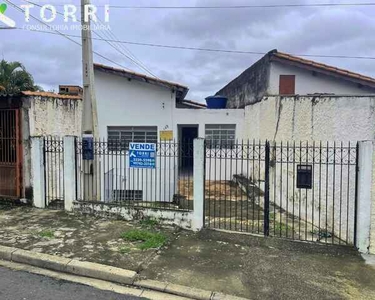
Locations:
(264, 268)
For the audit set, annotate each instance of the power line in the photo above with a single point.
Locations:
(240, 6)
(211, 49)
(64, 35)
(132, 57)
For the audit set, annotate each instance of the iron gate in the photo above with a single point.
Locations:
(296, 190)
(54, 172)
(10, 156)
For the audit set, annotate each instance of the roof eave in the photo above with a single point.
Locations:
(181, 91)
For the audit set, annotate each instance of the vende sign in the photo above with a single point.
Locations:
(48, 12)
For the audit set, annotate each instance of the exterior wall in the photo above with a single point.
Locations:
(249, 87)
(177, 218)
(319, 118)
(52, 116)
(314, 118)
(43, 116)
(307, 83)
(122, 102)
(201, 117)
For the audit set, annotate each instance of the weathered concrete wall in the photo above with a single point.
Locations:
(45, 116)
(308, 118)
(177, 218)
(249, 87)
(372, 210)
(53, 116)
(314, 118)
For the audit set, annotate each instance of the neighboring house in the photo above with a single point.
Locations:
(26, 115)
(283, 74)
(290, 98)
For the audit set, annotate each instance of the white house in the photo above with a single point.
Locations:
(134, 107)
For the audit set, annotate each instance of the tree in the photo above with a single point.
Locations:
(14, 78)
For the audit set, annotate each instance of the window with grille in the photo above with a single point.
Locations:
(120, 137)
(220, 135)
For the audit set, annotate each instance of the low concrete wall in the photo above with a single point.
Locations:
(181, 219)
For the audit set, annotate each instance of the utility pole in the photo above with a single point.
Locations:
(89, 112)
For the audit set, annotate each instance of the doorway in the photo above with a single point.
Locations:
(187, 134)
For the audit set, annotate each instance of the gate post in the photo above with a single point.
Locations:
(365, 194)
(199, 178)
(69, 172)
(37, 172)
(267, 191)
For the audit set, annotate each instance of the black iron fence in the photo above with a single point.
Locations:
(54, 172)
(301, 191)
(110, 179)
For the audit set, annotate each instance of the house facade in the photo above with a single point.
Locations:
(149, 110)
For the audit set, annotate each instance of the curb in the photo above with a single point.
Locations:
(106, 273)
(67, 265)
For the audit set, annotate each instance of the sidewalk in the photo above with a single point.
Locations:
(241, 265)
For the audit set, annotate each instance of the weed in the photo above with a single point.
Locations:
(149, 240)
(49, 234)
(148, 222)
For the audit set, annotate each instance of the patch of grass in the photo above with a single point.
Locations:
(49, 234)
(148, 222)
(147, 239)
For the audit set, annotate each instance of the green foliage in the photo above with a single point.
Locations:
(148, 222)
(49, 234)
(147, 239)
(14, 78)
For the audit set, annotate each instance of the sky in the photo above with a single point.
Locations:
(54, 60)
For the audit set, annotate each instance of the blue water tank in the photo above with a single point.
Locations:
(216, 102)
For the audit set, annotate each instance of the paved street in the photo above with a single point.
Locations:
(17, 285)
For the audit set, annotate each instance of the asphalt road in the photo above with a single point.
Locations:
(17, 285)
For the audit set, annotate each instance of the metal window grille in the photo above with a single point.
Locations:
(120, 137)
(220, 135)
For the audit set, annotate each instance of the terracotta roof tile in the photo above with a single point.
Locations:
(139, 75)
(323, 67)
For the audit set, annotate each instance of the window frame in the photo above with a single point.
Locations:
(218, 134)
(130, 134)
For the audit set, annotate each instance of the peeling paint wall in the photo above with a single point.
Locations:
(319, 118)
(176, 218)
(43, 116)
(55, 117)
